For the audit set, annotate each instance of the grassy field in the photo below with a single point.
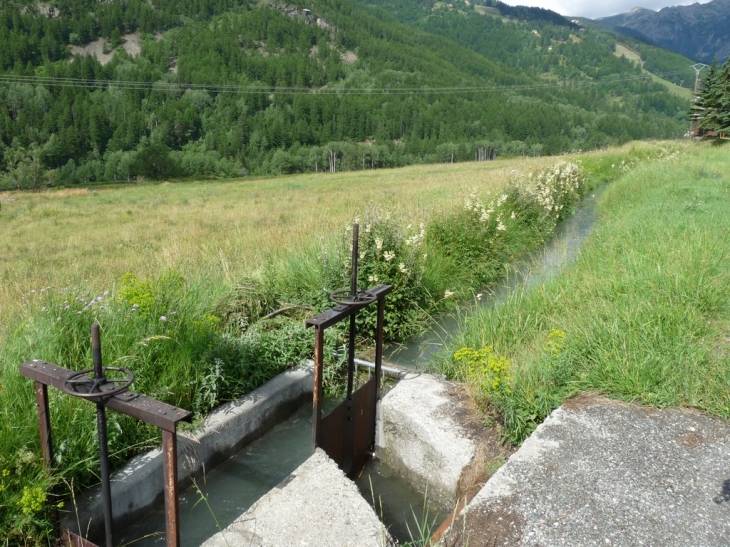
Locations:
(643, 316)
(682, 92)
(218, 230)
(179, 276)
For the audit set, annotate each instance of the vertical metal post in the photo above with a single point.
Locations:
(172, 520)
(44, 420)
(348, 437)
(379, 346)
(378, 367)
(353, 296)
(106, 495)
(317, 393)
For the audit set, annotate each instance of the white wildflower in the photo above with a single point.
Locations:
(388, 255)
(163, 318)
(448, 293)
(378, 243)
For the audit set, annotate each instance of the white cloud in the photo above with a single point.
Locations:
(593, 9)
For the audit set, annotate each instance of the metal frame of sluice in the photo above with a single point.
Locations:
(109, 393)
(347, 434)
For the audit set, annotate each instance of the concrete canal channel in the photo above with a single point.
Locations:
(427, 444)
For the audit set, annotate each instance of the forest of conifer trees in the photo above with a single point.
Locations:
(227, 88)
(711, 109)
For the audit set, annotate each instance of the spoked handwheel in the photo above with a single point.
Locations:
(344, 297)
(79, 384)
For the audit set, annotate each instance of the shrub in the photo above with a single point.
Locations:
(388, 254)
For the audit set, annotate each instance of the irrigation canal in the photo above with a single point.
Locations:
(231, 488)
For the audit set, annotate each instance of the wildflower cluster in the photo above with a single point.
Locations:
(24, 496)
(555, 190)
(555, 343)
(388, 254)
(486, 369)
(493, 211)
(475, 236)
(69, 307)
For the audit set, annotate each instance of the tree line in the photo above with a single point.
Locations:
(233, 88)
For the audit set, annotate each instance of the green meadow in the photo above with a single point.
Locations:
(181, 276)
(642, 316)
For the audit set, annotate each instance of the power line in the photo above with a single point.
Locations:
(251, 89)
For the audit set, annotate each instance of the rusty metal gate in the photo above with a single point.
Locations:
(347, 434)
(109, 392)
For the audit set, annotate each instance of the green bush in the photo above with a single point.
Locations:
(390, 255)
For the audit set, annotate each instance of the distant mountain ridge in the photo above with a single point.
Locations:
(699, 31)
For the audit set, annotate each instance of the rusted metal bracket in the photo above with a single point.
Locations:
(105, 393)
(141, 407)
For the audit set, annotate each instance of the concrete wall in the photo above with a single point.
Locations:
(420, 438)
(139, 485)
(316, 505)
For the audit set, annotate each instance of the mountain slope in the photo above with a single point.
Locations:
(699, 31)
(229, 87)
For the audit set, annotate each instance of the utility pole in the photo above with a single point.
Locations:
(693, 125)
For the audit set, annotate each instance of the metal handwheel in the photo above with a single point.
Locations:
(345, 298)
(79, 384)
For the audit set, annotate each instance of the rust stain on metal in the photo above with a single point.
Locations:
(69, 539)
(44, 421)
(347, 434)
(132, 404)
(105, 393)
(172, 521)
(317, 391)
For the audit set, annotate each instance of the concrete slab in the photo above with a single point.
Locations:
(598, 472)
(317, 505)
(422, 435)
(139, 485)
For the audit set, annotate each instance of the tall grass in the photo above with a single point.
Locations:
(642, 316)
(181, 279)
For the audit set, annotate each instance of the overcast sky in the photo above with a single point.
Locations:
(593, 9)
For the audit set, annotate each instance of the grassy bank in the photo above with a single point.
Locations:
(181, 277)
(643, 315)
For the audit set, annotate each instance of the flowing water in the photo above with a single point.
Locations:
(536, 267)
(231, 488)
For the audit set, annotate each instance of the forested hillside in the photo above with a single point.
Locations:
(232, 87)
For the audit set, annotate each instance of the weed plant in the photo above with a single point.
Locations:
(194, 339)
(642, 316)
